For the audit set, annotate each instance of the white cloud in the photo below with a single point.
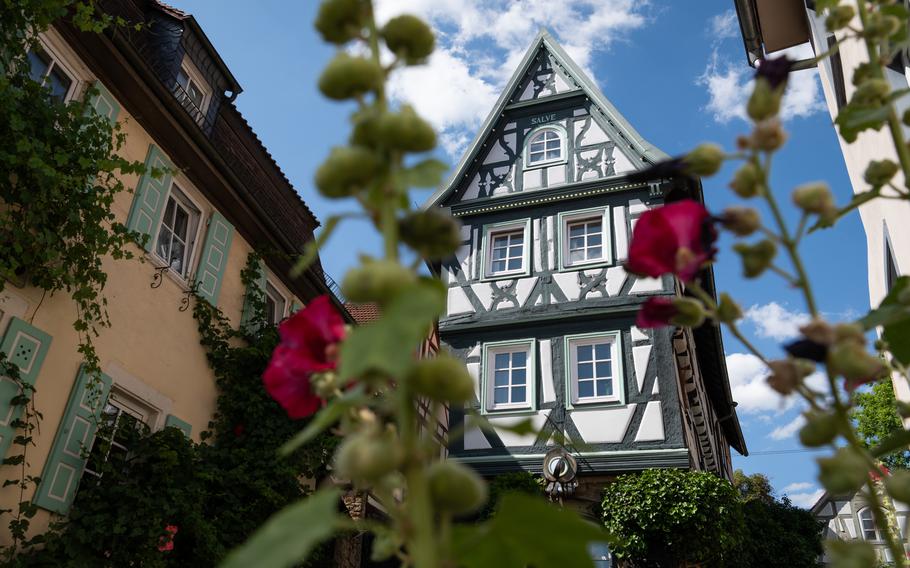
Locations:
(724, 25)
(775, 321)
(750, 389)
(798, 486)
(729, 83)
(807, 499)
(788, 429)
(479, 46)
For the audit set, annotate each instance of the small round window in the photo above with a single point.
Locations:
(545, 146)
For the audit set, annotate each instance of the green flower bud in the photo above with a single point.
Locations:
(821, 428)
(728, 311)
(768, 135)
(756, 258)
(325, 384)
(432, 233)
(346, 77)
(839, 17)
(898, 485)
(879, 25)
(785, 376)
(366, 456)
(409, 38)
(852, 361)
(851, 553)
(862, 73)
(880, 172)
(742, 221)
(747, 180)
(340, 21)
(764, 102)
(906, 117)
(376, 281)
(366, 127)
(405, 131)
(815, 198)
(871, 92)
(843, 473)
(347, 170)
(903, 297)
(704, 160)
(443, 379)
(455, 488)
(849, 332)
(690, 312)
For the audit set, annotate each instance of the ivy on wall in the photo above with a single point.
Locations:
(214, 493)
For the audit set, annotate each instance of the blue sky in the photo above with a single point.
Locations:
(676, 70)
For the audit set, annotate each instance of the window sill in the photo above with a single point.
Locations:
(522, 411)
(595, 404)
(158, 263)
(538, 165)
(586, 265)
(505, 276)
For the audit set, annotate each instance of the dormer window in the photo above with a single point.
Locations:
(546, 146)
(191, 91)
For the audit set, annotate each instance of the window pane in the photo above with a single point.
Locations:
(604, 369)
(39, 62)
(594, 240)
(499, 265)
(594, 252)
(585, 352)
(183, 79)
(602, 351)
(518, 377)
(59, 83)
(515, 251)
(270, 309)
(585, 371)
(164, 243)
(501, 361)
(537, 146)
(585, 389)
(576, 230)
(577, 256)
(604, 388)
(499, 253)
(552, 154)
(577, 243)
(178, 249)
(500, 395)
(518, 394)
(515, 264)
(517, 238)
(501, 378)
(195, 95)
(519, 359)
(181, 220)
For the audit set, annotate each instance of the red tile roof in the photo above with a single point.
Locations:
(363, 313)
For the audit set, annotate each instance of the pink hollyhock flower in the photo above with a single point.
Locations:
(166, 542)
(655, 312)
(309, 344)
(677, 238)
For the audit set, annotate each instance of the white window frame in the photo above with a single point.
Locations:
(487, 406)
(862, 528)
(490, 232)
(196, 77)
(128, 404)
(193, 237)
(563, 153)
(59, 60)
(269, 283)
(571, 370)
(570, 217)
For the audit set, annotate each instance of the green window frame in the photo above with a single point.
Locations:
(487, 378)
(617, 375)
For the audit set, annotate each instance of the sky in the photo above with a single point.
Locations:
(676, 70)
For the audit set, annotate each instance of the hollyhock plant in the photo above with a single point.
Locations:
(677, 238)
(309, 344)
(166, 542)
(656, 312)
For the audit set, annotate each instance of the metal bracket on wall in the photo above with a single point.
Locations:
(159, 276)
(185, 301)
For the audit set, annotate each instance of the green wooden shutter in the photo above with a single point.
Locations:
(247, 308)
(214, 258)
(295, 307)
(64, 466)
(173, 422)
(25, 346)
(104, 103)
(151, 195)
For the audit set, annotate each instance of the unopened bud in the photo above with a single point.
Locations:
(325, 384)
(839, 17)
(898, 485)
(405, 131)
(366, 456)
(815, 198)
(819, 331)
(409, 38)
(347, 76)
(747, 181)
(347, 171)
(854, 363)
(704, 160)
(879, 26)
(843, 473)
(728, 311)
(742, 221)
(785, 376)
(432, 233)
(905, 118)
(821, 428)
(849, 332)
(376, 281)
(455, 488)
(689, 312)
(756, 258)
(768, 135)
(443, 379)
(871, 92)
(764, 103)
(340, 21)
(880, 172)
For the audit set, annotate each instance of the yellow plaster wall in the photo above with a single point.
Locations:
(149, 340)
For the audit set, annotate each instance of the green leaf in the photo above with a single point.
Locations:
(289, 535)
(405, 322)
(898, 440)
(323, 420)
(853, 120)
(525, 531)
(894, 317)
(427, 173)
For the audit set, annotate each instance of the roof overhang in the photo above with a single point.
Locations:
(768, 26)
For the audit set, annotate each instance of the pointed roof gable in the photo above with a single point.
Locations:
(580, 82)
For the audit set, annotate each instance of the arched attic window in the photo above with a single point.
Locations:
(868, 525)
(545, 146)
